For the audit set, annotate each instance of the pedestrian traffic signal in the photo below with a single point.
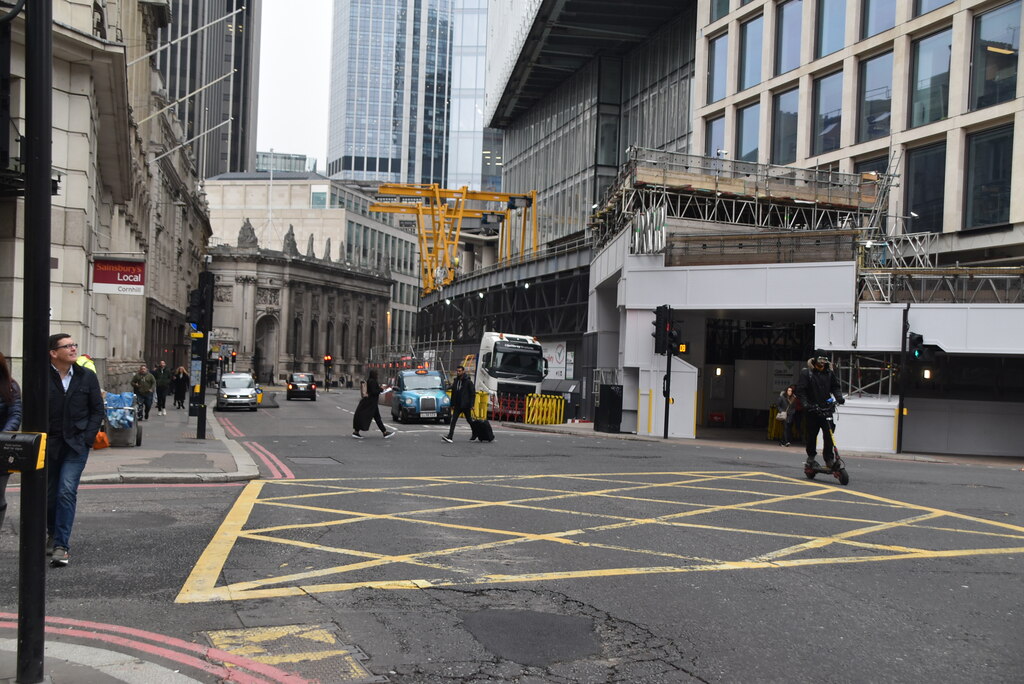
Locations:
(662, 328)
(915, 346)
(194, 312)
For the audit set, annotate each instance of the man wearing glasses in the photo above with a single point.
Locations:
(76, 413)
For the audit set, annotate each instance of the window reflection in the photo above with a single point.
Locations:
(750, 53)
(717, 56)
(787, 36)
(994, 63)
(929, 95)
(989, 160)
(926, 178)
(747, 127)
(875, 98)
(714, 141)
(831, 26)
(828, 112)
(879, 15)
(784, 127)
(925, 6)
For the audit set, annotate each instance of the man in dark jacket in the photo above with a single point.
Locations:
(816, 385)
(463, 398)
(162, 375)
(143, 384)
(76, 413)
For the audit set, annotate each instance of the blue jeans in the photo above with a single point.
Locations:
(63, 472)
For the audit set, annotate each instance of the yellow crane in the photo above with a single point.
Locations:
(439, 222)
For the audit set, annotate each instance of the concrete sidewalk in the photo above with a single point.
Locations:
(170, 453)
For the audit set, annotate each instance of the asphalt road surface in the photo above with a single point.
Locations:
(549, 558)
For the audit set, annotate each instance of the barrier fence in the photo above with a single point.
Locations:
(534, 409)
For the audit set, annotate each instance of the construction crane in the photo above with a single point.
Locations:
(440, 219)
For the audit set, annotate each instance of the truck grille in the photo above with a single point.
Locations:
(514, 388)
(428, 404)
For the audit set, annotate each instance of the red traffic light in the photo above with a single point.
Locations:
(328, 358)
(234, 354)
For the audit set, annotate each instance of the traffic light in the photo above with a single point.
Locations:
(194, 312)
(662, 328)
(915, 347)
(327, 360)
(206, 290)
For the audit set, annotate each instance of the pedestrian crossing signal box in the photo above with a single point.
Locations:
(22, 451)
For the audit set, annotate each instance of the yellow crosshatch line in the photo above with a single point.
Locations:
(552, 493)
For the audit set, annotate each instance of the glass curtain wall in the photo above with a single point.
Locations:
(554, 148)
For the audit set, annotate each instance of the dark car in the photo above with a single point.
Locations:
(301, 385)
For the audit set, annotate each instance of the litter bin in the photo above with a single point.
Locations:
(123, 428)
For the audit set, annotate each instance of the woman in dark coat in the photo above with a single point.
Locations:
(179, 384)
(368, 410)
(10, 420)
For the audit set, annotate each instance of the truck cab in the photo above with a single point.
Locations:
(509, 366)
(420, 395)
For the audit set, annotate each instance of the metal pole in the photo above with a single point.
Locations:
(38, 155)
(668, 373)
(902, 379)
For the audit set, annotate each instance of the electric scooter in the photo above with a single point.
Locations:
(838, 468)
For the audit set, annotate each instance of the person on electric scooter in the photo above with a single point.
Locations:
(816, 385)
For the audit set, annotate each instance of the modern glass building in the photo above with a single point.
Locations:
(624, 78)
(475, 155)
(390, 91)
(927, 89)
(213, 75)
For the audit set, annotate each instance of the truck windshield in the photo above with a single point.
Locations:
(525, 363)
(421, 382)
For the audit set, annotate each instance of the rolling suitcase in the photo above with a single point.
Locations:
(482, 430)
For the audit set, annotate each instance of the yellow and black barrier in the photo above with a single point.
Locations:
(480, 406)
(545, 409)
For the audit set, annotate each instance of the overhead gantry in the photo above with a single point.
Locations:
(442, 216)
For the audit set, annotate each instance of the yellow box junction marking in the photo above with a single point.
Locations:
(434, 505)
(292, 644)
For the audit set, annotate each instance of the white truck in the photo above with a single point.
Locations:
(509, 366)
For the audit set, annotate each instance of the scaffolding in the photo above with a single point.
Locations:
(442, 216)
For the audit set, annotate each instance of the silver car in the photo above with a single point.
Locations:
(236, 390)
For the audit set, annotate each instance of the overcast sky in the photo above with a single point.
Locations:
(295, 56)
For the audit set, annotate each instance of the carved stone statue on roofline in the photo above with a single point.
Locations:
(247, 236)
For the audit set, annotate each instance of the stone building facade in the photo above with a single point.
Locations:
(282, 311)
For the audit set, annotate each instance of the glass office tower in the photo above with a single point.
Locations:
(390, 90)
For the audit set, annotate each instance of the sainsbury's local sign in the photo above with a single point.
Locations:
(114, 276)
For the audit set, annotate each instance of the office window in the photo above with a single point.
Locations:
(925, 183)
(929, 78)
(750, 52)
(831, 32)
(719, 8)
(875, 98)
(718, 49)
(878, 16)
(828, 113)
(784, 126)
(787, 36)
(926, 6)
(714, 139)
(747, 129)
(994, 63)
(989, 159)
(873, 165)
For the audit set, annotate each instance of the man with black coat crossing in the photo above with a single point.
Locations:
(463, 398)
(816, 385)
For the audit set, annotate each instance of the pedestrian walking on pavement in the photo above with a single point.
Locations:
(787, 406)
(368, 410)
(463, 398)
(179, 385)
(162, 375)
(143, 383)
(76, 413)
(10, 420)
